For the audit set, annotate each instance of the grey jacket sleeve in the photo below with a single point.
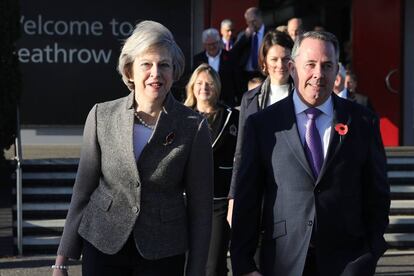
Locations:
(199, 191)
(87, 179)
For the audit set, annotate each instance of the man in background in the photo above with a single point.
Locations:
(344, 92)
(294, 27)
(246, 48)
(221, 61)
(226, 31)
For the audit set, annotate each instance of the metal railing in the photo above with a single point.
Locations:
(19, 198)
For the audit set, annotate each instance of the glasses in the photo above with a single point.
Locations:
(211, 44)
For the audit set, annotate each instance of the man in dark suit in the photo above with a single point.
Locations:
(226, 31)
(245, 50)
(350, 84)
(345, 93)
(221, 61)
(312, 177)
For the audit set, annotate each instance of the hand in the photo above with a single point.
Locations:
(249, 31)
(254, 273)
(230, 211)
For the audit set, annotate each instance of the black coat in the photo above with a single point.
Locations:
(223, 129)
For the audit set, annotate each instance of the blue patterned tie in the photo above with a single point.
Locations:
(313, 142)
(253, 52)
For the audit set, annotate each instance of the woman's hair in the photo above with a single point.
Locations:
(149, 35)
(191, 100)
(270, 39)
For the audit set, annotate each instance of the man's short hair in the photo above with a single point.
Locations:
(320, 35)
(256, 12)
(211, 32)
(341, 70)
(226, 22)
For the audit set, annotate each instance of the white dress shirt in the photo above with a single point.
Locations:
(343, 94)
(323, 121)
(214, 61)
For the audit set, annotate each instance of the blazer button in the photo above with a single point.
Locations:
(310, 223)
(135, 209)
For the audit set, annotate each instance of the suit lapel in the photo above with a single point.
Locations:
(127, 137)
(341, 115)
(161, 136)
(221, 63)
(291, 135)
(253, 101)
(204, 58)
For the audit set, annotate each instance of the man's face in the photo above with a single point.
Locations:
(314, 71)
(253, 21)
(339, 83)
(294, 28)
(350, 83)
(226, 31)
(212, 46)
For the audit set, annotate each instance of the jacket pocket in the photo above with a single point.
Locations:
(279, 230)
(101, 199)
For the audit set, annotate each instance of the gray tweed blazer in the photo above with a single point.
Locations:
(115, 196)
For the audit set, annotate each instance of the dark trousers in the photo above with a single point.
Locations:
(219, 242)
(128, 262)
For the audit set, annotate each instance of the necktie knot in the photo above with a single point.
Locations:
(312, 113)
(313, 142)
(228, 45)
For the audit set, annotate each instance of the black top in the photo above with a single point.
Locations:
(223, 125)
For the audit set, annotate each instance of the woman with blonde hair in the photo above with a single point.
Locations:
(203, 92)
(140, 153)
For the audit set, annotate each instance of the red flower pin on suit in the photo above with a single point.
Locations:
(341, 129)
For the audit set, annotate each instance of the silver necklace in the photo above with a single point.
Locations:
(142, 122)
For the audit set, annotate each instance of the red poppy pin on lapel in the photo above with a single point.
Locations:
(341, 129)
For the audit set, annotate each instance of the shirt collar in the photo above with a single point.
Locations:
(261, 30)
(326, 107)
(217, 56)
(343, 94)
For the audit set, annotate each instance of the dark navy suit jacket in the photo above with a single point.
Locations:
(276, 192)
